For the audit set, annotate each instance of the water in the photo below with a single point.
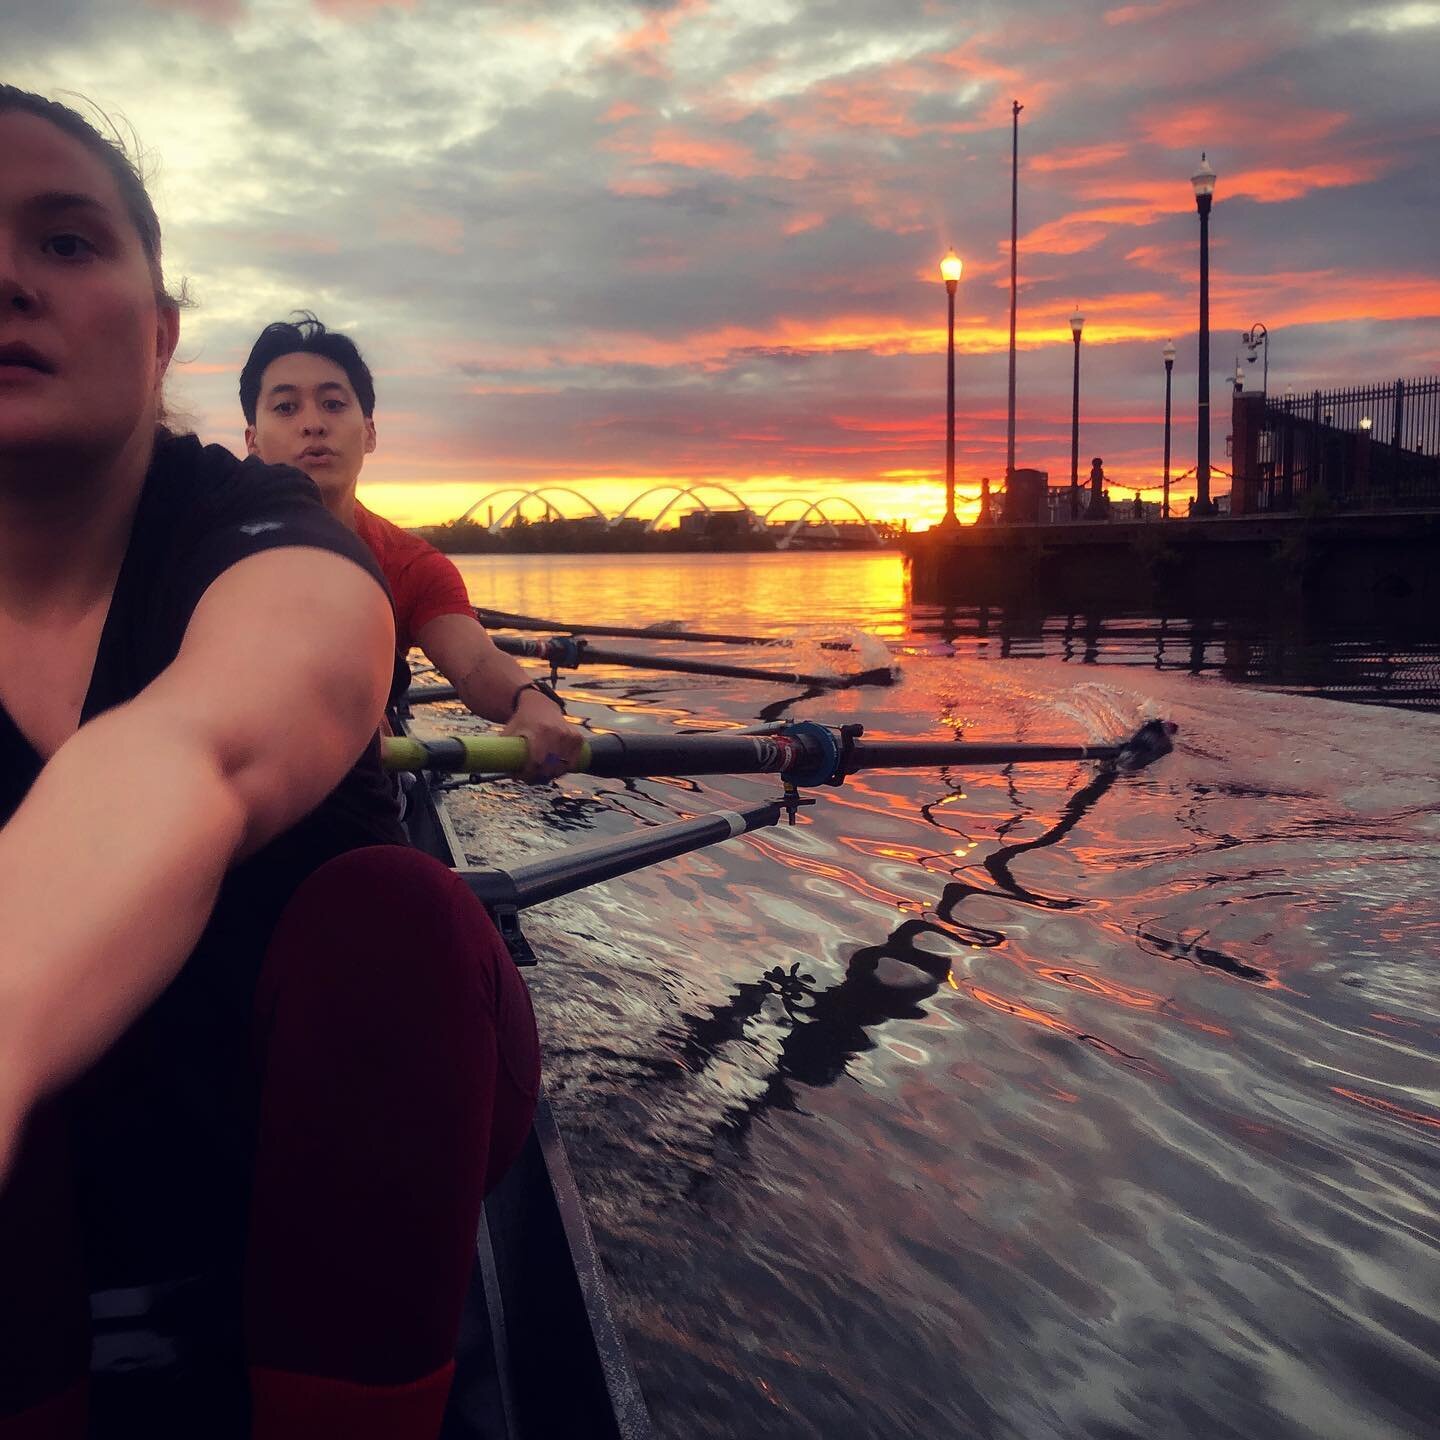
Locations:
(1153, 1149)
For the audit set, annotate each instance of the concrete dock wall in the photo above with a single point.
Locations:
(1340, 561)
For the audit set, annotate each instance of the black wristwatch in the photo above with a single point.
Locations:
(543, 687)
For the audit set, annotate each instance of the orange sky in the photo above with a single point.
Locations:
(621, 247)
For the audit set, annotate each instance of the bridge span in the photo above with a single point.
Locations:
(812, 514)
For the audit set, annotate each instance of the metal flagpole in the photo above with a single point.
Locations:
(1016, 108)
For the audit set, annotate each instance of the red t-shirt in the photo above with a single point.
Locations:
(424, 583)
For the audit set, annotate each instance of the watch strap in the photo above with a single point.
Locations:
(542, 687)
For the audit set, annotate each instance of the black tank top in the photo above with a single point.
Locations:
(161, 1123)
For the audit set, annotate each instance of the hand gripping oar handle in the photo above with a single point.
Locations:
(805, 753)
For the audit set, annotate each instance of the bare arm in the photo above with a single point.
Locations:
(110, 868)
(487, 680)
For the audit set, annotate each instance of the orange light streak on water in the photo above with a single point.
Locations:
(1388, 1107)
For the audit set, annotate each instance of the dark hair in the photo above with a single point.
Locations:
(306, 336)
(112, 154)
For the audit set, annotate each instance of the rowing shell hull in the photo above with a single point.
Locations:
(541, 1355)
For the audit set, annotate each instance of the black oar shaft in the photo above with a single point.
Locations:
(624, 757)
(899, 754)
(430, 694)
(504, 620)
(620, 757)
(707, 667)
(581, 865)
(567, 653)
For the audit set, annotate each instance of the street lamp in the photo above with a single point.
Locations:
(1169, 353)
(1365, 426)
(1203, 181)
(1256, 336)
(950, 268)
(1077, 324)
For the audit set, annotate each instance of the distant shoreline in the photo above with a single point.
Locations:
(580, 537)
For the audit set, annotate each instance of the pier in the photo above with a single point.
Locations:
(1387, 560)
(1334, 505)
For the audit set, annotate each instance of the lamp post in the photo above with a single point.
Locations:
(1077, 324)
(1256, 336)
(1169, 353)
(1015, 108)
(950, 268)
(1203, 181)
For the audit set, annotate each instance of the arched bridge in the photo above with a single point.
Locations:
(682, 492)
(814, 507)
(538, 492)
(812, 511)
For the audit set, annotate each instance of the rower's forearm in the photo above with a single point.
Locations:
(488, 687)
(99, 908)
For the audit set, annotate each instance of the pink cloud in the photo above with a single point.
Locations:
(1133, 14)
(1277, 118)
(1086, 157)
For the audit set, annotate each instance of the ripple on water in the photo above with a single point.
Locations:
(1152, 1150)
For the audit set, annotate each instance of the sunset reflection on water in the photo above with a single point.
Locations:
(1012, 1103)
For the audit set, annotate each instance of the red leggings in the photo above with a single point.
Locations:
(397, 1066)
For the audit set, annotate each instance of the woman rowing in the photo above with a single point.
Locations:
(244, 1035)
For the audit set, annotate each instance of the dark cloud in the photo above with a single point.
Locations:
(606, 237)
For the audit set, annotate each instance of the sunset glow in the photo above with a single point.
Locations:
(610, 246)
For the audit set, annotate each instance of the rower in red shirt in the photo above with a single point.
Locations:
(309, 401)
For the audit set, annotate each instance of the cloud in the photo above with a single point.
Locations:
(1397, 19)
(597, 238)
(1136, 14)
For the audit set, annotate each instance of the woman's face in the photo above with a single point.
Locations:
(84, 341)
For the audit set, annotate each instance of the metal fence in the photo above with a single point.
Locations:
(1368, 447)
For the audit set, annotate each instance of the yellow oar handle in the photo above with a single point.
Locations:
(470, 754)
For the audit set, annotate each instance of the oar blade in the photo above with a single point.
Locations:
(1146, 745)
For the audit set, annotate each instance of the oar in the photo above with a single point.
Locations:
(504, 620)
(804, 753)
(430, 694)
(576, 866)
(568, 653)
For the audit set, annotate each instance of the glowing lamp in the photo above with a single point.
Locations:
(950, 268)
(1365, 424)
(1203, 179)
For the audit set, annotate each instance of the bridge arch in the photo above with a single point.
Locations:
(682, 492)
(645, 495)
(691, 492)
(489, 496)
(781, 504)
(538, 492)
(814, 508)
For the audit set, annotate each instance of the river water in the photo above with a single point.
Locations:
(1151, 1151)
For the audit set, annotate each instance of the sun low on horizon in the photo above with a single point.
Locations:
(597, 250)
